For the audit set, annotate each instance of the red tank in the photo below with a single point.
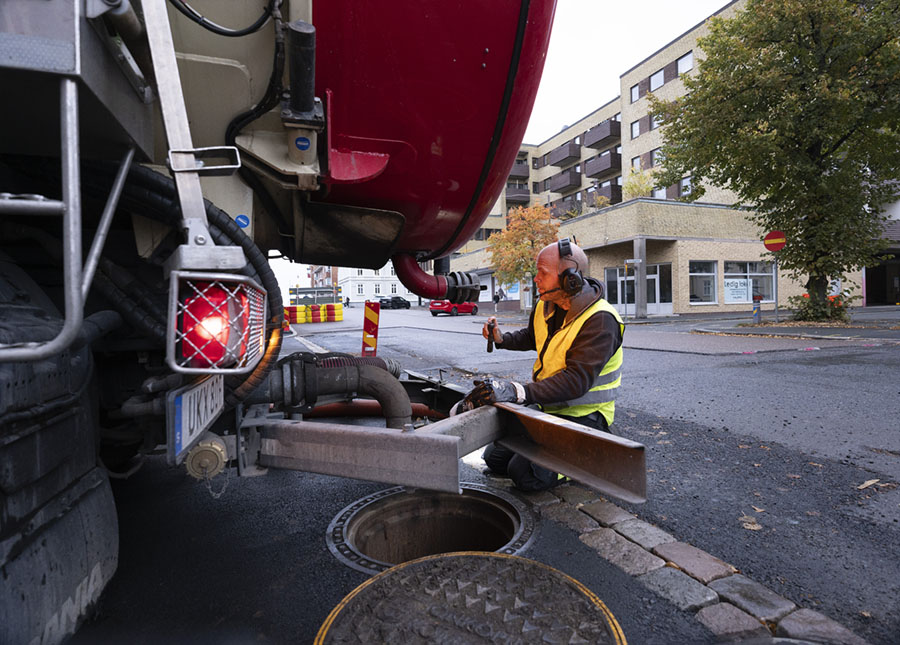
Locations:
(430, 126)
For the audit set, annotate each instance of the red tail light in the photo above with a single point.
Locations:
(218, 323)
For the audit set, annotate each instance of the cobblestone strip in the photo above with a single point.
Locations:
(727, 603)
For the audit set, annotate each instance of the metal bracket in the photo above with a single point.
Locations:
(200, 252)
(178, 159)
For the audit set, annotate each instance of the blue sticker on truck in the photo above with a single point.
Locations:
(302, 143)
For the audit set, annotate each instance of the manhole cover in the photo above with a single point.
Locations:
(471, 598)
(397, 525)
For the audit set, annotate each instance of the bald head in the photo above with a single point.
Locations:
(549, 267)
(576, 260)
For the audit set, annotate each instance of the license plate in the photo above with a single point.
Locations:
(191, 410)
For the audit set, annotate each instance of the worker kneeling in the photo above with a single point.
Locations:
(578, 337)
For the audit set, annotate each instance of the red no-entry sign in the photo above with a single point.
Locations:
(774, 241)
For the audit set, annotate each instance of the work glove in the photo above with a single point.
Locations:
(493, 391)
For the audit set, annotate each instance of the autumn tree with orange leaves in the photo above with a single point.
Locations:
(514, 250)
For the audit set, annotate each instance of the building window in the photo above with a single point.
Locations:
(618, 117)
(635, 93)
(577, 168)
(659, 193)
(684, 187)
(657, 80)
(605, 184)
(359, 272)
(702, 276)
(359, 290)
(577, 140)
(392, 266)
(656, 157)
(393, 287)
(535, 186)
(619, 180)
(377, 288)
(636, 163)
(743, 280)
(686, 63)
(654, 122)
(376, 271)
(618, 150)
(603, 154)
(635, 129)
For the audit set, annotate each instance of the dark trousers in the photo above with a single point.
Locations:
(528, 476)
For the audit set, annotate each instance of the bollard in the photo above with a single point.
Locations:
(756, 308)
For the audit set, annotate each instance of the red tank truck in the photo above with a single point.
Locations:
(151, 160)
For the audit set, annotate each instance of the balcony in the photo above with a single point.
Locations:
(603, 134)
(518, 195)
(612, 192)
(605, 165)
(566, 153)
(519, 169)
(566, 180)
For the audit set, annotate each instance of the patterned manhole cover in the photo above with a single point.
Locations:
(471, 598)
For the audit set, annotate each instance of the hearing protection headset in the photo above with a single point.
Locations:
(570, 279)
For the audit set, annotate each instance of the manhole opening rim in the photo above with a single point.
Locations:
(349, 555)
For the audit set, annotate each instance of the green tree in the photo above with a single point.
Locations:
(638, 183)
(514, 250)
(796, 109)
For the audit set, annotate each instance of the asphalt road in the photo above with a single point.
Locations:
(785, 434)
(734, 424)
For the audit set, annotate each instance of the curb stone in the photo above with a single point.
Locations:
(733, 606)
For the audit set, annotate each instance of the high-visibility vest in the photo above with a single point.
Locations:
(552, 359)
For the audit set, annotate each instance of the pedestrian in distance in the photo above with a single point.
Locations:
(578, 337)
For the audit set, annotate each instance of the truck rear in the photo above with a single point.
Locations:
(153, 157)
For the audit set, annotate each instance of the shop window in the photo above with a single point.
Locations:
(743, 280)
(702, 282)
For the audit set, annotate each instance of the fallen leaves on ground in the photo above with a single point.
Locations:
(793, 476)
(868, 483)
(758, 509)
(812, 463)
(749, 522)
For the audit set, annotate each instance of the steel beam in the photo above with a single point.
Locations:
(603, 461)
(423, 460)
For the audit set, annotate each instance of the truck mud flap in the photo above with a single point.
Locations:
(54, 571)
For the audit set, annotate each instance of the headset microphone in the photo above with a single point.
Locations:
(544, 293)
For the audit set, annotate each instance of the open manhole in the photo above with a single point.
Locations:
(396, 525)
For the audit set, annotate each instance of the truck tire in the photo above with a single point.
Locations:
(59, 534)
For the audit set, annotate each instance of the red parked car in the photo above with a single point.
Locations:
(446, 307)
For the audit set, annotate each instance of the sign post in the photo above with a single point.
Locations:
(633, 261)
(775, 241)
(370, 328)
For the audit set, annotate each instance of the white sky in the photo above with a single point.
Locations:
(593, 42)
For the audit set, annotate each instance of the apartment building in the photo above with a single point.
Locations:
(656, 255)
(360, 285)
